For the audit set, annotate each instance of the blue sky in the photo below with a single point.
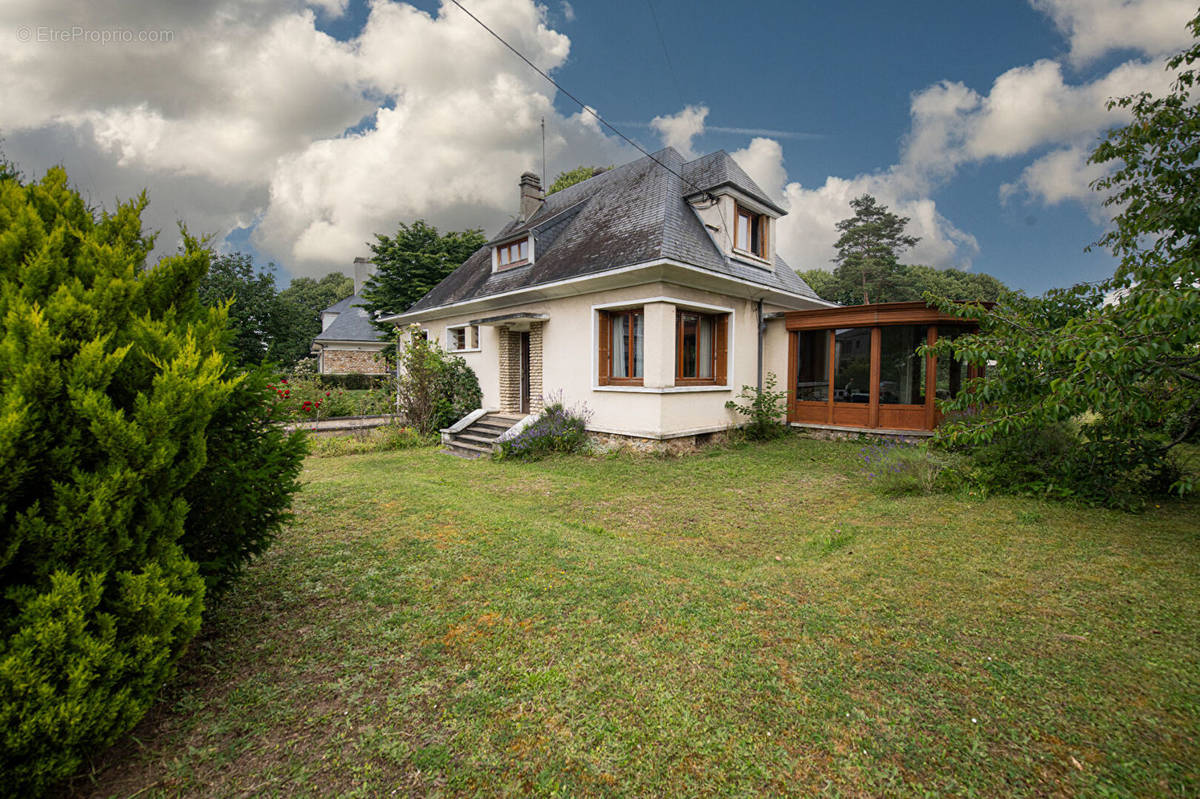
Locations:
(296, 130)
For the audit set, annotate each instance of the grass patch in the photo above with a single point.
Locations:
(751, 622)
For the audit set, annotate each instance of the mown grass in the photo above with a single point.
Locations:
(749, 621)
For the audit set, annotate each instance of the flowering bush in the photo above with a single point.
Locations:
(896, 468)
(557, 429)
(763, 408)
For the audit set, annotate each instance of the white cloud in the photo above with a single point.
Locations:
(1096, 27)
(568, 11)
(678, 130)
(246, 109)
(1059, 176)
(763, 161)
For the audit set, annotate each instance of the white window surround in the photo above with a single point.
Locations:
(471, 334)
(687, 305)
(496, 267)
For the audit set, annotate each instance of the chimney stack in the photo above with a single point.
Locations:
(531, 195)
(363, 269)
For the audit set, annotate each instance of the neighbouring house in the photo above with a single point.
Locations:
(651, 292)
(348, 343)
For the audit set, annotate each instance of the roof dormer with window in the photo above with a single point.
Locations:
(513, 253)
(742, 227)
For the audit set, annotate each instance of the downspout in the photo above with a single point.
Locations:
(762, 328)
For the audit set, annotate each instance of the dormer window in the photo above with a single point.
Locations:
(750, 232)
(514, 253)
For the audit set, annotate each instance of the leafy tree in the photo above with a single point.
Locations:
(303, 300)
(573, 176)
(906, 283)
(412, 262)
(870, 243)
(110, 373)
(1123, 376)
(255, 315)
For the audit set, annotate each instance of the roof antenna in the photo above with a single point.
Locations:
(545, 177)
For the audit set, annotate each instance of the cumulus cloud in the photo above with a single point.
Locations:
(678, 130)
(316, 142)
(1096, 27)
(1030, 111)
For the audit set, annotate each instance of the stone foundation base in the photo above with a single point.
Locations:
(605, 443)
(843, 434)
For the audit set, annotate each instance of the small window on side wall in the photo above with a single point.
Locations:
(621, 347)
(750, 232)
(463, 337)
(512, 254)
(700, 348)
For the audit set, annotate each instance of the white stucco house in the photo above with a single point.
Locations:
(651, 292)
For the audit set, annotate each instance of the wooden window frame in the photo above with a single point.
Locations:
(512, 251)
(604, 356)
(757, 221)
(720, 349)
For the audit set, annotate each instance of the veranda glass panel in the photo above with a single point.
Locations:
(852, 365)
(950, 372)
(901, 369)
(812, 367)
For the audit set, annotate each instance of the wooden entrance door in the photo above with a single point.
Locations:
(524, 350)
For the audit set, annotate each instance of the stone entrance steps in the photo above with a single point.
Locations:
(477, 439)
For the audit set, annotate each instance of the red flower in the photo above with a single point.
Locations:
(287, 393)
(327, 393)
(283, 381)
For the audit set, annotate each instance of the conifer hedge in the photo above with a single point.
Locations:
(110, 375)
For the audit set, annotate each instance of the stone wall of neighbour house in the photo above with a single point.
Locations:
(341, 362)
(535, 369)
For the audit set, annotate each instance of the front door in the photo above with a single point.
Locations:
(524, 373)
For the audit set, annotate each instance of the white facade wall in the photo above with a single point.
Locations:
(657, 409)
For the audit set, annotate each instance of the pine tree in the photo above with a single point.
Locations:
(870, 243)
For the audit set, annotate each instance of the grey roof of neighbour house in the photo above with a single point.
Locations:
(636, 213)
(342, 305)
(352, 324)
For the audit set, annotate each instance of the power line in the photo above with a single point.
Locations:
(666, 56)
(579, 102)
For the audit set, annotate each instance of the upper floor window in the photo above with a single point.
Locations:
(700, 348)
(750, 232)
(513, 253)
(621, 346)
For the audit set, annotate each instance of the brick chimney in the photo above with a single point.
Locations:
(531, 195)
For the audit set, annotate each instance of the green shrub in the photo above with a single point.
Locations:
(435, 389)
(1073, 460)
(764, 409)
(110, 373)
(352, 382)
(557, 429)
(241, 498)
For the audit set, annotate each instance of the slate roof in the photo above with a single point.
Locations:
(342, 305)
(352, 324)
(632, 214)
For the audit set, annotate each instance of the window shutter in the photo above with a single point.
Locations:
(605, 345)
(720, 349)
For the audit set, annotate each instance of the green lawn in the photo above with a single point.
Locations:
(750, 621)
